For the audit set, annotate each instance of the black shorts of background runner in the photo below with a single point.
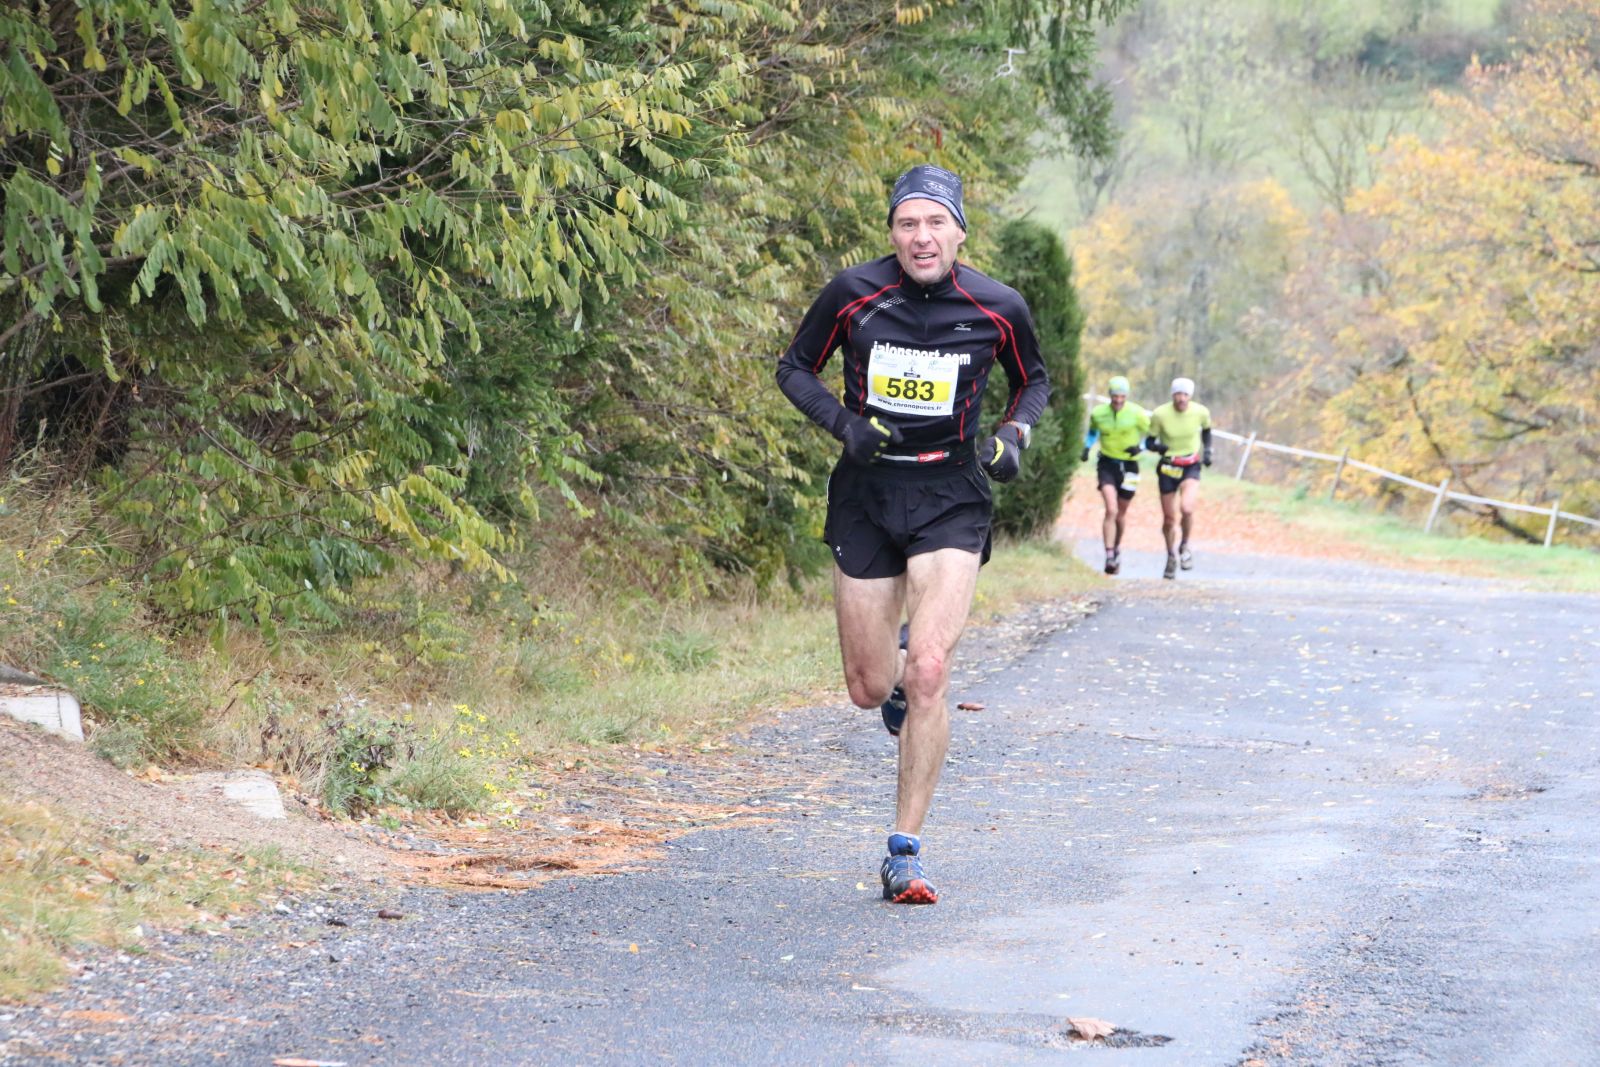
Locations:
(878, 516)
(1170, 485)
(1112, 472)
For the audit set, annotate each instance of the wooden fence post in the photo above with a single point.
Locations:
(1433, 513)
(1338, 472)
(1248, 445)
(1550, 531)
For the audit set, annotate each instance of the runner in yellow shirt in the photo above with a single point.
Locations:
(1119, 426)
(1180, 431)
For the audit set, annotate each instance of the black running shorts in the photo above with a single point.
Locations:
(1169, 482)
(1120, 474)
(877, 516)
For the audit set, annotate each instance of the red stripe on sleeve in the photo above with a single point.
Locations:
(1008, 333)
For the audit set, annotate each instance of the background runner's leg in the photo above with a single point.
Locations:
(938, 595)
(1111, 525)
(1169, 521)
(1122, 518)
(1188, 498)
(868, 611)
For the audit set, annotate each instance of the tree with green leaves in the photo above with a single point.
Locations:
(311, 294)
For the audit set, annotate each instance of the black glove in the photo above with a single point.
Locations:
(866, 437)
(1134, 449)
(1001, 455)
(1155, 446)
(1085, 457)
(1206, 459)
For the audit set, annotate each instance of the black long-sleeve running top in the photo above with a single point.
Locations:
(916, 356)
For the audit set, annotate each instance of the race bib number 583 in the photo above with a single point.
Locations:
(911, 383)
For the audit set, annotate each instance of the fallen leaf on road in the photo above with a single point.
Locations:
(633, 948)
(390, 913)
(89, 1015)
(1087, 1029)
(969, 705)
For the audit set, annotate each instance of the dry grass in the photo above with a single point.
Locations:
(66, 889)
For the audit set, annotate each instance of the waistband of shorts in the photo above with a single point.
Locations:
(929, 464)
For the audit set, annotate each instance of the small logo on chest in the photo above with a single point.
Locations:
(962, 327)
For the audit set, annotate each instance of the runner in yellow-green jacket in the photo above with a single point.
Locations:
(1119, 426)
(1180, 431)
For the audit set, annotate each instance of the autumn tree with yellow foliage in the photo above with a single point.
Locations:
(1170, 279)
(1452, 326)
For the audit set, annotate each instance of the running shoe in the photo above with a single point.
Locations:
(903, 880)
(1185, 557)
(894, 709)
(1114, 561)
(1172, 568)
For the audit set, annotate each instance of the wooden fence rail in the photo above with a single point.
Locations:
(1440, 492)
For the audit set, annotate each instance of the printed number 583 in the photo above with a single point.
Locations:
(903, 389)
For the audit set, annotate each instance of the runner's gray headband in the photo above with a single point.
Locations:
(928, 182)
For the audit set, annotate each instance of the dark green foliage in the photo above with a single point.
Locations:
(1031, 260)
(319, 293)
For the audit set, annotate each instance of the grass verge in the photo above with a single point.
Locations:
(441, 692)
(65, 889)
(1558, 567)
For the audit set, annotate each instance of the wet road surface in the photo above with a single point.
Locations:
(1276, 812)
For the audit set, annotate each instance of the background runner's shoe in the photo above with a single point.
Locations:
(1185, 557)
(1114, 561)
(1172, 568)
(903, 880)
(894, 709)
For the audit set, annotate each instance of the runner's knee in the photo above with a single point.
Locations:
(866, 689)
(927, 674)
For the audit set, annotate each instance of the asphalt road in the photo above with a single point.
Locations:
(1276, 812)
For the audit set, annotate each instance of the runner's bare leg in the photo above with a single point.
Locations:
(1188, 500)
(1122, 518)
(868, 612)
(1169, 521)
(938, 596)
(1111, 525)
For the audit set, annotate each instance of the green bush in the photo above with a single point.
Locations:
(1031, 260)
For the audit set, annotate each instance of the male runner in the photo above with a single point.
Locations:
(1180, 430)
(908, 502)
(1119, 426)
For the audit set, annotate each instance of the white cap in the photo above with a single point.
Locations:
(1183, 385)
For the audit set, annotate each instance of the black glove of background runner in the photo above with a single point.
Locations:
(865, 438)
(1206, 459)
(1001, 455)
(1152, 445)
(1085, 457)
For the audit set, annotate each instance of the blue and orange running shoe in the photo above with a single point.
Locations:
(894, 709)
(903, 880)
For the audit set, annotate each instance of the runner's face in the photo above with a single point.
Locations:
(1117, 400)
(926, 239)
(1180, 401)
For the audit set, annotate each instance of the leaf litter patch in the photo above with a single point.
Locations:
(1506, 791)
(1023, 1029)
(591, 824)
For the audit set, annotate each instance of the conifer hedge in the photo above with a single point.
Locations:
(1032, 260)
